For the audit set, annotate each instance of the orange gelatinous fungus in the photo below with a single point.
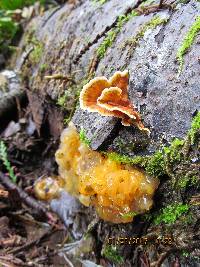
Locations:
(117, 191)
(110, 98)
(48, 187)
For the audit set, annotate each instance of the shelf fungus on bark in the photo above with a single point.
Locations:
(110, 98)
(117, 191)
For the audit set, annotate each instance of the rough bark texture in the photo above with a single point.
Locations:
(165, 99)
(65, 40)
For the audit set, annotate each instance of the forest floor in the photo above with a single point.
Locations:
(31, 234)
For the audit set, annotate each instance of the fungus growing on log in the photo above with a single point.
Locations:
(110, 98)
(117, 191)
(48, 187)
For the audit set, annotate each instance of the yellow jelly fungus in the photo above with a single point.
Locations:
(117, 191)
(48, 187)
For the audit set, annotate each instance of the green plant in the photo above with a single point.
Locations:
(187, 180)
(152, 24)
(62, 100)
(43, 67)
(4, 158)
(8, 30)
(173, 151)
(171, 213)
(84, 138)
(17, 4)
(125, 159)
(110, 252)
(112, 34)
(72, 94)
(188, 41)
(130, 214)
(195, 127)
(156, 165)
(37, 51)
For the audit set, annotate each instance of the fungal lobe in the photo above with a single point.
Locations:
(110, 98)
(115, 190)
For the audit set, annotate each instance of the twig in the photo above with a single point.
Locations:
(162, 257)
(59, 76)
(67, 260)
(24, 197)
(33, 242)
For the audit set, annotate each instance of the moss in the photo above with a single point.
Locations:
(138, 160)
(156, 165)
(84, 138)
(195, 128)
(152, 24)
(38, 49)
(6, 162)
(186, 180)
(130, 214)
(62, 100)
(110, 252)
(173, 152)
(68, 101)
(171, 213)
(43, 67)
(188, 41)
(112, 34)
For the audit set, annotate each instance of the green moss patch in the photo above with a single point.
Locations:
(38, 49)
(112, 34)
(195, 127)
(110, 252)
(68, 100)
(158, 163)
(152, 24)
(171, 213)
(126, 159)
(188, 41)
(84, 138)
(186, 180)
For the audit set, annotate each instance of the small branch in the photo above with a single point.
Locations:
(59, 76)
(24, 197)
(33, 242)
(162, 257)
(67, 260)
